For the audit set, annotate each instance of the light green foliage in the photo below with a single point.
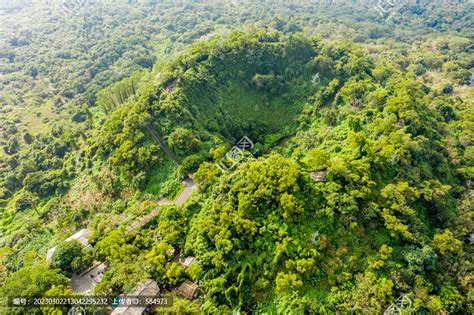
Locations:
(172, 225)
(451, 299)
(110, 245)
(206, 175)
(420, 260)
(316, 160)
(367, 295)
(389, 119)
(290, 205)
(446, 243)
(111, 97)
(287, 283)
(248, 223)
(32, 281)
(60, 291)
(120, 140)
(194, 271)
(123, 275)
(174, 273)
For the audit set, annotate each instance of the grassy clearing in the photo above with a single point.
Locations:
(35, 118)
(162, 181)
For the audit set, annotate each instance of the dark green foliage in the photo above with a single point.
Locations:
(183, 141)
(65, 254)
(92, 139)
(420, 260)
(190, 164)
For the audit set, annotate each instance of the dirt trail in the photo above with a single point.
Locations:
(189, 186)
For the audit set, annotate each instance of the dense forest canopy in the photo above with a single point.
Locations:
(353, 189)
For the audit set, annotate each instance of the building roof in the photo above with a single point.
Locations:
(81, 237)
(186, 262)
(49, 254)
(188, 289)
(147, 288)
(320, 176)
(85, 282)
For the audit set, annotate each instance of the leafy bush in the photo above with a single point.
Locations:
(65, 254)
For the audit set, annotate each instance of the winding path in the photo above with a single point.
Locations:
(189, 186)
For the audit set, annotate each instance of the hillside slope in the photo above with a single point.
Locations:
(387, 211)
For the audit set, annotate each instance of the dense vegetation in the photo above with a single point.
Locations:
(389, 120)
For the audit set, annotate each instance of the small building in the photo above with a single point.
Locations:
(85, 282)
(188, 289)
(320, 176)
(148, 288)
(49, 254)
(81, 237)
(186, 262)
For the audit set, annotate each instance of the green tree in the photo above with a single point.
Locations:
(446, 243)
(174, 273)
(316, 160)
(32, 281)
(65, 254)
(287, 283)
(206, 175)
(183, 141)
(27, 200)
(60, 291)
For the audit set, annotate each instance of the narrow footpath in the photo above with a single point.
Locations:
(189, 187)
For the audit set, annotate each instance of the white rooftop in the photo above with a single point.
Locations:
(49, 254)
(187, 261)
(80, 236)
(147, 288)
